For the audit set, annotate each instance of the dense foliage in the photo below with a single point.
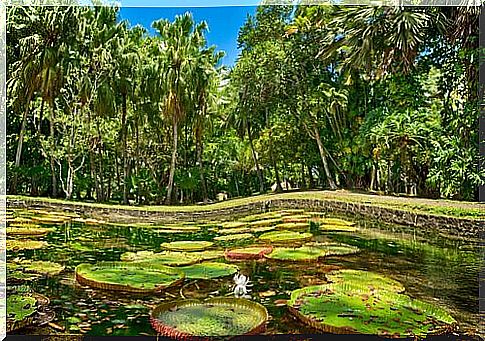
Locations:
(372, 98)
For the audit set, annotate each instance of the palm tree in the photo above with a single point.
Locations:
(182, 41)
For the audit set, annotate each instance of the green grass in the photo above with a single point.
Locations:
(449, 208)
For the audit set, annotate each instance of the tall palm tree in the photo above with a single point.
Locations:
(182, 41)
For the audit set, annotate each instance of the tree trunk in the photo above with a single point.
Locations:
(279, 189)
(168, 200)
(18, 155)
(201, 166)
(311, 182)
(123, 141)
(52, 162)
(256, 163)
(330, 180)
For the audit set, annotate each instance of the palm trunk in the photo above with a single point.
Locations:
(330, 180)
(18, 155)
(125, 161)
(311, 182)
(168, 200)
(199, 161)
(255, 158)
(52, 162)
(279, 189)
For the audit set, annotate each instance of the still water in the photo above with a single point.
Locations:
(432, 268)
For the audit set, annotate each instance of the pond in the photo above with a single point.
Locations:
(432, 268)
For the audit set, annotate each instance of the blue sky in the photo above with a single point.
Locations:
(224, 22)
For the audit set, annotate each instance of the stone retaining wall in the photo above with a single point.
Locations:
(458, 227)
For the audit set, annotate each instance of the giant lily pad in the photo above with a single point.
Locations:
(216, 317)
(209, 270)
(298, 254)
(233, 224)
(300, 218)
(261, 216)
(268, 222)
(179, 227)
(37, 266)
(338, 228)
(285, 236)
(187, 245)
(262, 229)
(165, 258)
(365, 280)
(27, 231)
(289, 226)
(20, 306)
(24, 244)
(251, 252)
(124, 276)
(336, 221)
(231, 237)
(334, 249)
(336, 309)
(51, 220)
(234, 230)
(23, 309)
(208, 254)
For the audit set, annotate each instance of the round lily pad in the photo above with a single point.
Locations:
(267, 222)
(338, 228)
(335, 221)
(216, 317)
(365, 280)
(234, 230)
(24, 244)
(234, 237)
(166, 258)
(285, 236)
(124, 276)
(336, 309)
(209, 270)
(27, 231)
(208, 254)
(300, 218)
(23, 310)
(261, 216)
(262, 229)
(289, 226)
(50, 220)
(37, 266)
(179, 227)
(233, 224)
(187, 245)
(298, 254)
(334, 249)
(251, 252)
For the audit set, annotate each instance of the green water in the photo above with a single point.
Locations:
(432, 268)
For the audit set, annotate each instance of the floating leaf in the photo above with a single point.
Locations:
(234, 237)
(37, 266)
(24, 244)
(165, 258)
(20, 306)
(233, 224)
(334, 249)
(234, 230)
(301, 218)
(303, 253)
(285, 236)
(208, 270)
(250, 252)
(365, 280)
(335, 221)
(215, 317)
(290, 226)
(269, 222)
(27, 231)
(262, 229)
(338, 228)
(187, 245)
(125, 276)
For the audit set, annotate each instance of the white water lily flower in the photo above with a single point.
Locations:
(240, 287)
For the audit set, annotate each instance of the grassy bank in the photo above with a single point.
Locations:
(447, 208)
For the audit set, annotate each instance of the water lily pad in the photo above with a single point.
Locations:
(268, 222)
(234, 230)
(27, 231)
(209, 270)
(231, 237)
(334, 249)
(336, 309)
(20, 306)
(215, 317)
(298, 254)
(180, 227)
(365, 280)
(208, 254)
(290, 226)
(125, 276)
(166, 258)
(24, 244)
(338, 228)
(335, 221)
(37, 266)
(300, 218)
(22, 276)
(250, 252)
(233, 224)
(89, 221)
(20, 220)
(285, 236)
(261, 216)
(187, 245)
(263, 229)
(50, 220)
(171, 231)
